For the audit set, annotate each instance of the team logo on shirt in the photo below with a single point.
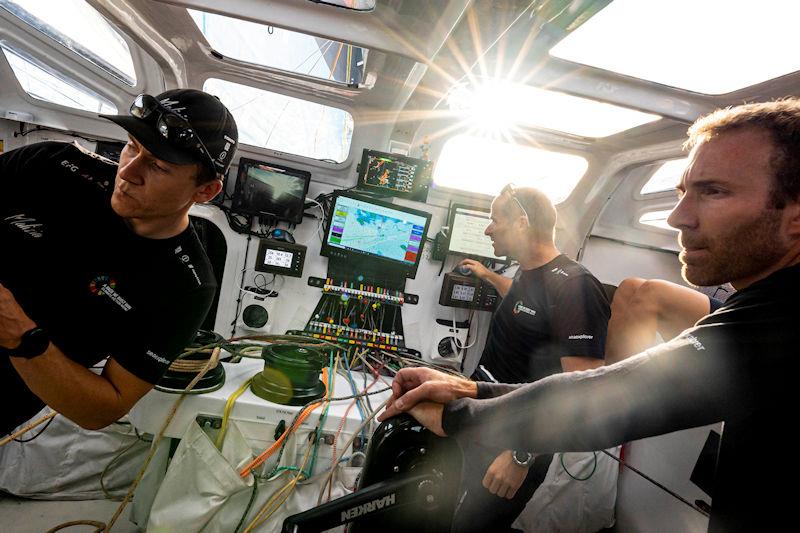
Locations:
(26, 224)
(186, 260)
(561, 271)
(105, 286)
(519, 308)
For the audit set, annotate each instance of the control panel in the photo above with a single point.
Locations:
(279, 257)
(468, 292)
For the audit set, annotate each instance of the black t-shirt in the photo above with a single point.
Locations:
(79, 272)
(554, 311)
(738, 365)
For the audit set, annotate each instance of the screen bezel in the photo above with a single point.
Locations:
(451, 220)
(374, 261)
(422, 179)
(241, 176)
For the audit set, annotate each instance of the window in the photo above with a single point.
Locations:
(496, 106)
(657, 219)
(667, 177)
(355, 5)
(44, 83)
(483, 165)
(77, 26)
(286, 124)
(282, 49)
(708, 46)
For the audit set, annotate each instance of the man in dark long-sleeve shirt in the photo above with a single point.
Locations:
(739, 222)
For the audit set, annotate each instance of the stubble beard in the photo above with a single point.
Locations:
(742, 252)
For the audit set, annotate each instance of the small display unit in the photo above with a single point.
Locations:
(466, 235)
(278, 257)
(367, 235)
(467, 292)
(270, 190)
(394, 175)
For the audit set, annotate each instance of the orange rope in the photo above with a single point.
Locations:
(266, 454)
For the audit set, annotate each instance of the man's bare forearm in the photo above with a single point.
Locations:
(90, 400)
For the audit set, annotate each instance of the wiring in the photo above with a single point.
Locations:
(49, 421)
(456, 345)
(322, 217)
(594, 467)
(372, 415)
(656, 483)
(23, 132)
(113, 460)
(27, 428)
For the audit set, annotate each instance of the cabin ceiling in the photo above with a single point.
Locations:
(418, 51)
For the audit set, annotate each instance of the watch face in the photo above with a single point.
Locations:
(522, 458)
(34, 342)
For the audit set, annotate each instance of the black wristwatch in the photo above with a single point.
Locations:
(522, 459)
(34, 342)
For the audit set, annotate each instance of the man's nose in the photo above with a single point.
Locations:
(683, 214)
(132, 170)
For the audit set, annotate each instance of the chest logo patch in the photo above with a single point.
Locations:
(519, 308)
(105, 286)
(28, 225)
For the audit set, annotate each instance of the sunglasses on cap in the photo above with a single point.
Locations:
(173, 127)
(513, 193)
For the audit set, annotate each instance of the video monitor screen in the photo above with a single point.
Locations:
(270, 190)
(362, 226)
(467, 237)
(394, 175)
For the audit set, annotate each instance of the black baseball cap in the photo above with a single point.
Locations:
(210, 120)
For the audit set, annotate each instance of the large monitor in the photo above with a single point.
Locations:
(394, 175)
(270, 190)
(466, 235)
(373, 235)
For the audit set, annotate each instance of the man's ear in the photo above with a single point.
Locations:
(207, 191)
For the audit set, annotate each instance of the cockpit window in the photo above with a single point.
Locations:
(742, 43)
(79, 27)
(279, 122)
(482, 165)
(355, 5)
(281, 49)
(500, 107)
(657, 219)
(667, 177)
(45, 83)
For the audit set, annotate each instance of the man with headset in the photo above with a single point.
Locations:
(552, 319)
(100, 260)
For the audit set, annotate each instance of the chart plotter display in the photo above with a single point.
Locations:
(376, 230)
(394, 175)
(467, 237)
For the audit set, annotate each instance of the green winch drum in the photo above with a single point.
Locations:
(291, 374)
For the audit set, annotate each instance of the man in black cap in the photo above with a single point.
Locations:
(99, 259)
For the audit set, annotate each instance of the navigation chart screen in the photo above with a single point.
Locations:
(376, 230)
